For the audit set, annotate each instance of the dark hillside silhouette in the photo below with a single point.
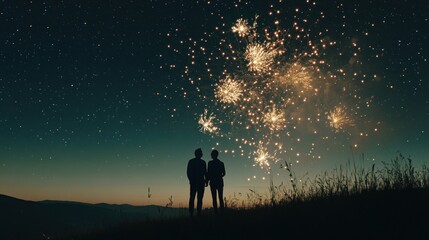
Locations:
(347, 203)
(350, 202)
(20, 219)
(372, 215)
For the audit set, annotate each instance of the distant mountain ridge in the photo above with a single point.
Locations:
(22, 219)
(6, 198)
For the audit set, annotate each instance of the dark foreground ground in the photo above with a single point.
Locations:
(374, 215)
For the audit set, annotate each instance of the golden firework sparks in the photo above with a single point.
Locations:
(229, 90)
(338, 119)
(206, 122)
(298, 76)
(263, 158)
(274, 119)
(241, 27)
(271, 95)
(260, 57)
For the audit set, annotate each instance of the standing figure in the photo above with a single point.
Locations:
(196, 172)
(215, 173)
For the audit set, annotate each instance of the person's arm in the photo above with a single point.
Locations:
(188, 171)
(223, 170)
(207, 174)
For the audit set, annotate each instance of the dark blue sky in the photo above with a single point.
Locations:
(96, 103)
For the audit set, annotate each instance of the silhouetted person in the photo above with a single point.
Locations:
(215, 173)
(196, 172)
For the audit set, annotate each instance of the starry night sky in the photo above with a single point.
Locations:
(95, 105)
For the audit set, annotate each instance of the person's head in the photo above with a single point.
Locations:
(215, 153)
(198, 153)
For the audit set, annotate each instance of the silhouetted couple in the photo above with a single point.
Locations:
(200, 177)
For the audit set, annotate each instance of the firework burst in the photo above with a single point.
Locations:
(338, 119)
(229, 90)
(241, 27)
(260, 57)
(206, 122)
(298, 76)
(274, 119)
(262, 157)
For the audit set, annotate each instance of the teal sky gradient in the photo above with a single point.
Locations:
(91, 109)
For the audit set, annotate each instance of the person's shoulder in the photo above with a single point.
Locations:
(215, 162)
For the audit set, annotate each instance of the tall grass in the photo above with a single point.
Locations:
(347, 180)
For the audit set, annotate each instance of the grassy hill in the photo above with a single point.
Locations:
(350, 202)
(399, 214)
